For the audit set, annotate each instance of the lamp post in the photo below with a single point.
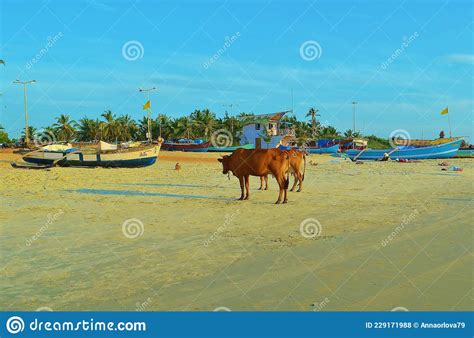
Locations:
(148, 90)
(24, 83)
(354, 116)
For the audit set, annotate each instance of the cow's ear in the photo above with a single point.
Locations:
(220, 159)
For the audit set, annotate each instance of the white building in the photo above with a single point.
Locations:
(266, 130)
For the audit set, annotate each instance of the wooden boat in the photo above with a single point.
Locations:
(445, 150)
(465, 153)
(230, 149)
(327, 150)
(74, 157)
(186, 146)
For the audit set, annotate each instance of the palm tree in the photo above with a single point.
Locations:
(109, 128)
(64, 127)
(329, 131)
(184, 127)
(126, 128)
(313, 113)
(31, 132)
(348, 133)
(88, 130)
(207, 122)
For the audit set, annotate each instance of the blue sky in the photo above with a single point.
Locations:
(402, 61)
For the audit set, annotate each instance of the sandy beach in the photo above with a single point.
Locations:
(392, 235)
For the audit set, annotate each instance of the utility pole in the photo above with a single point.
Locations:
(231, 105)
(148, 90)
(354, 116)
(24, 83)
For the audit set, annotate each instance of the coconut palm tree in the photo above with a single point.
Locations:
(88, 130)
(126, 128)
(184, 127)
(329, 131)
(313, 113)
(64, 127)
(109, 128)
(207, 123)
(31, 133)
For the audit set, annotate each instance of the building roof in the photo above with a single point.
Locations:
(262, 118)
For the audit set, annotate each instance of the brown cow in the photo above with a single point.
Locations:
(296, 159)
(258, 162)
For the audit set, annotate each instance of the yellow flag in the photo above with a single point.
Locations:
(444, 111)
(147, 105)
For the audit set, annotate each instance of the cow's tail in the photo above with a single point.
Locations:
(287, 181)
(304, 166)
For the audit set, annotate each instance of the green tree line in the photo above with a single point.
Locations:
(199, 124)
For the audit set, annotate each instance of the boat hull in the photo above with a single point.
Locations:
(130, 159)
(328, 150)
(446, 150)
(465, 153)
(190, 147)
(229, 149)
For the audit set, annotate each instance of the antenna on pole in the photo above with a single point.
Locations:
(292, 111)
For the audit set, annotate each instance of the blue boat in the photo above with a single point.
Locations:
(325, 150)
(445, 150)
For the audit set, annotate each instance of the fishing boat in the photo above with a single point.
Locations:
(74, 157)
(445, 150)
(325, 150)
(465, 152)
(186, 145)
(48, 154)
(230, 149)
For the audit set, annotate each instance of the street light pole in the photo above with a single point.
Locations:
(24, 83)
(354, 116)
(148, 90)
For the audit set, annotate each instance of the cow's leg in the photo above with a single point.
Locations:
(296, 181)
(241, 181)
(266, 182)
(247, 186)
(300, 178)
(281, 183)
(261, 183)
